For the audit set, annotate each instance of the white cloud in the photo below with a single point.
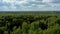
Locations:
(20, 5)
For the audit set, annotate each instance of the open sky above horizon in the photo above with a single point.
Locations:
(29, 5)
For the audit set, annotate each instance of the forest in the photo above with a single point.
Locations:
(29, 23)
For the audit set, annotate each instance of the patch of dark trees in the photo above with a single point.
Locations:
(20, 20)
(1, 31)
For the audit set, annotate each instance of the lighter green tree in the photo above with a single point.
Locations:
(25, 28)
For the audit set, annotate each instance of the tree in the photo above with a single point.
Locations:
(43, 26)
(25, 28)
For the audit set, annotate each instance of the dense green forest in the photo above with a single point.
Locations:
(29, 23)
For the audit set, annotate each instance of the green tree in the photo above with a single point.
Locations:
(25, 28)
(17, 31)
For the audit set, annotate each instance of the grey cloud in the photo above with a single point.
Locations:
(55, 1)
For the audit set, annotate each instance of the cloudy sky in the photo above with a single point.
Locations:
(29, 5)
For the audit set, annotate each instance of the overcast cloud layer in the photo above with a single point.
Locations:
(29, 5)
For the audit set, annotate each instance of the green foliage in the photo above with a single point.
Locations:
(53, 30)
(17, 31)
(3, 28)
(34, 26)
(20, 23)
(25, 28)
(30, 32)
(5, 32)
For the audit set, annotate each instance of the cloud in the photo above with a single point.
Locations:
(52, 1)
(29, 5)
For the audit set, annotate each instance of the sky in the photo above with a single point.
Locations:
(29, 5)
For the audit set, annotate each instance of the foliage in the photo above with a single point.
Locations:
(30, 24)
